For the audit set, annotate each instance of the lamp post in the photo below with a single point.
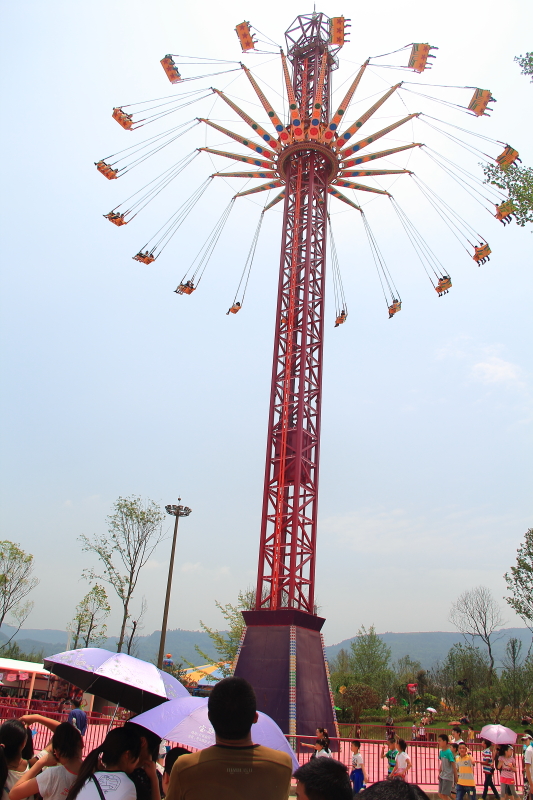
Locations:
(177, 512)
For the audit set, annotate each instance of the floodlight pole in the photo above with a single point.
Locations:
(177, 512)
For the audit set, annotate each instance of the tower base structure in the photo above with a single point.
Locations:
(282, 656)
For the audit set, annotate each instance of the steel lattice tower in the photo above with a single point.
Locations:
(283, 631)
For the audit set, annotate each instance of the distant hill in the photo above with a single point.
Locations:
(426, 647)
(431, 646)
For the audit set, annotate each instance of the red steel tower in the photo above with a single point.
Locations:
(282, 650)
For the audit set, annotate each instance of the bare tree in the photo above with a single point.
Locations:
(16, 582)
(476, 613)
(135, 530)
(136, 626)
(87, 624)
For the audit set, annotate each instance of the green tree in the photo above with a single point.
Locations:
(16, 582)
(87, 626)
(135, 530)
(519, 581)
(226, 643)
(360, 696)
(513, 684)
(526, 64)
(462, 680)
(517, 182)
(370, 659)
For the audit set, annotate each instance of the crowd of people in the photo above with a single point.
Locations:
(131, 764)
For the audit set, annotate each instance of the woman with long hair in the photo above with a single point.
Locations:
(321, 736)
(14, 752)
(64, 762)
(107, 768)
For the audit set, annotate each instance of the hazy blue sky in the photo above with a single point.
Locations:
(113, 385)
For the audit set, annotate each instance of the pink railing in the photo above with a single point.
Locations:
(423, 756)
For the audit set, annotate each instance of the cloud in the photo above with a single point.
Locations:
(198, 568)
(496, 370)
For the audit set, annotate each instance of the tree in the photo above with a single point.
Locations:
(226, 643)
(514, 685)
(526, 64)
(360, 696)
(476, 613)
(406, 670)
(520, 581)
(87, 625)
(462, 680)
(16, 582)
(135, 530)
(517, 183)
(370, 659)
(136, 626)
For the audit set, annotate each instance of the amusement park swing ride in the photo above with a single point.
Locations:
(306, 157)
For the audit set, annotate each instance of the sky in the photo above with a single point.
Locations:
(115, 386)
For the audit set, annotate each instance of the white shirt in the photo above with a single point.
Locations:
(12, 777)
(357, 761)
(401, 760)
(323, 754)
(528, 755)
(55, 782)
(115, 786)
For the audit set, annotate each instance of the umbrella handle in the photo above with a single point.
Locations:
(113, 717)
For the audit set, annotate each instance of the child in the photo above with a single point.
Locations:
(322, 749)
(454, 747)
(358, 774)
(390, 754)
(14, 737)
(465, 769)
(448, 768)
(170, 759)
(64, 762)
(403, 763)
(107, 767)
(487, 758)
(507, 767)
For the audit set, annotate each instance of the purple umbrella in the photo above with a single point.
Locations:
(185, 721)
(498, 734)
(117, 677)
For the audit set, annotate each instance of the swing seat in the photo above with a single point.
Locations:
(126, 120)
(508, 157)
(394, 308)
(482, 252)
(185, 288)
(419, 56)
(145, 258)
(116, 219)
(480, 101)
(444, 285)
(171, 69)
(106, 170)
(236, 307)
(340, 319)
(505, 209)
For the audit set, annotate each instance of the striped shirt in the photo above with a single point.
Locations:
(507, 773)
(487, 760)
(465, 769)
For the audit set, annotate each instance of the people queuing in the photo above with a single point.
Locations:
(125, 765)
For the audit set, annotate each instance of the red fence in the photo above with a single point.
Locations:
(423, 756)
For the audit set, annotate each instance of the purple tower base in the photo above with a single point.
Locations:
(282, 656)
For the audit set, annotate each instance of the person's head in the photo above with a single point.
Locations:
(119, 752)
(149, 741)
(444, 741)
(506, 751)
(487, 743)
(457, 732)
(402, 746)
(232, 708)
(170, 759)
(13, 737)
(391, 741)
(463, 749)
(67, 743)
(323, 779)
(355, 745)
(321, 733)
(454, 747)
(76, 702)
(394, 790)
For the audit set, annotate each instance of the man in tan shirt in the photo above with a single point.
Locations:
(234, 768)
